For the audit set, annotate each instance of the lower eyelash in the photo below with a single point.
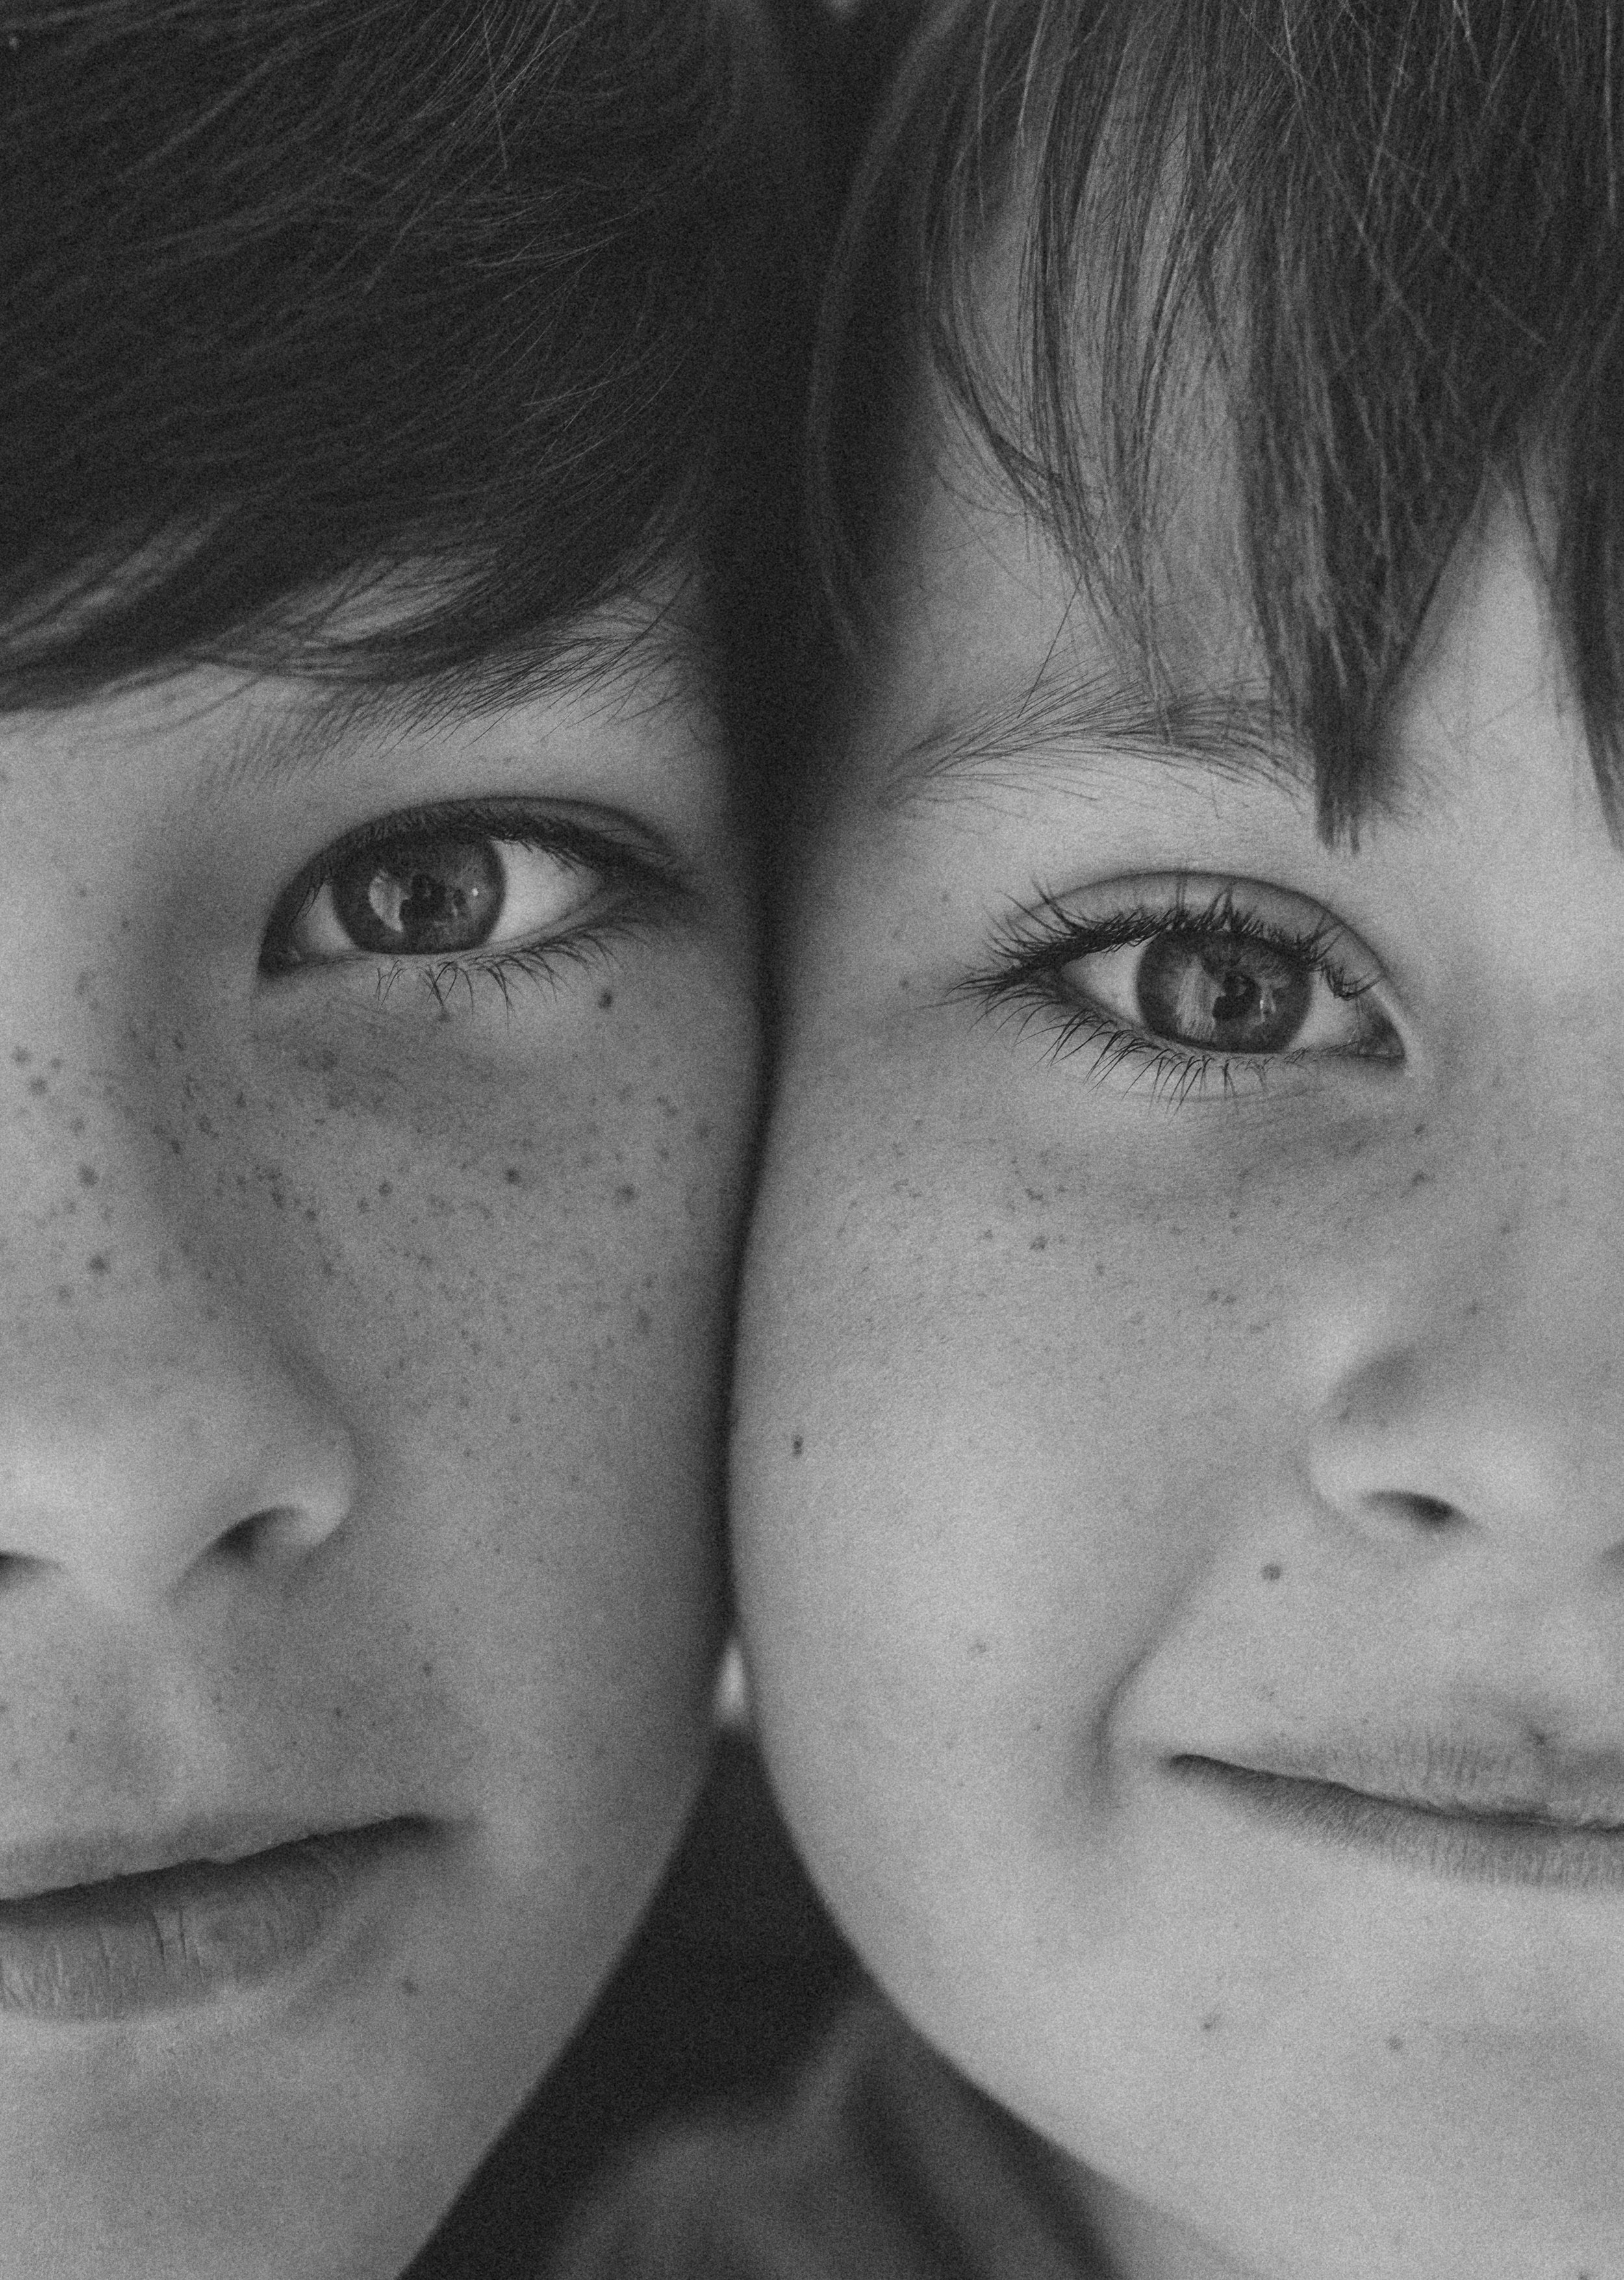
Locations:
(1179, 1069)
(544, 961)
(1171, 1068)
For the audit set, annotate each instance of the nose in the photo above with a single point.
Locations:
(162, 1420)
(135, 1472)
(1473, 1386)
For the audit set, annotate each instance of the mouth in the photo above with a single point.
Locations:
(1463, 1813)
(161, 1924)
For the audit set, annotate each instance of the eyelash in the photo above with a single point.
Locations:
(638, 883)
(1033, 945)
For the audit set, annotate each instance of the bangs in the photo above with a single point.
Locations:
(497, 306)
(1388, 233)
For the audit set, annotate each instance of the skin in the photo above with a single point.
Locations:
(442, 1292)
(1084, 1428)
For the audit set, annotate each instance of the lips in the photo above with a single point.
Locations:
(1453, 1773)
(1454, 1805)
(168, 1921)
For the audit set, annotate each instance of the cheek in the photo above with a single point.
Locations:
(1012, 1412)
(514, 1281)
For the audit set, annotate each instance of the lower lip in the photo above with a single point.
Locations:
(1467, 1847)
(181, 1936)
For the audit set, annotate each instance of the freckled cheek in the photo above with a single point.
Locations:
(1028, 1409)
(527, 1274)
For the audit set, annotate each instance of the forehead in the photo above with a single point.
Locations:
(347, 669)
(1003, 666)
(997, 641)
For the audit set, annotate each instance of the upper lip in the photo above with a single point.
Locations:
(46, 1864)
(1524, 1778)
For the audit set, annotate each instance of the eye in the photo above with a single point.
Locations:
(1189, 980)
(442, 885)
(1217, 991)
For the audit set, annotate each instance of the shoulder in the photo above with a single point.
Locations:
(878, 2160)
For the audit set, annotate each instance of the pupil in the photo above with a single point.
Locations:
(414, 896)
(1235, 997)
(1238, 994)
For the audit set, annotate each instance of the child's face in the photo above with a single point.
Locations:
(1141, 1454)
(362, 1340)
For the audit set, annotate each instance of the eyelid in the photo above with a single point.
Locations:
(1138, 906)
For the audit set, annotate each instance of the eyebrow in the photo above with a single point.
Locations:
(282, 745)
(1065, 725)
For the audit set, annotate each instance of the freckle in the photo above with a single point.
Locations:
(978, 1646)
(87, 1175)
(98, 1263)
(1396, 2044)
(1420, 1179)
(512, 1176)
(605, 1000)
(702, 1130)
(64, 1294)
(1209, 2023)
(1038, 1243)
(338, 1714)
(21, 1056)
(796, 1445)
(644, 1323)
(310, 1213)
(1270, 1571)
(77, 1127)
(361, 1204)
(38, 1085)
(386, 1186)
(72, 1733)
(407, 1986)
(626, 1193)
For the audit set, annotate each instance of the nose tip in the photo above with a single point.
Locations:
(132, 1504)
(1435, 1443)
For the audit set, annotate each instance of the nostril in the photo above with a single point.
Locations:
(1426, 1512)
(283, 1531)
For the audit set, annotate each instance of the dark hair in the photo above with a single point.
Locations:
(1390, 228)
(505, 300)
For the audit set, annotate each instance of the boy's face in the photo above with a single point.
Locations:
(1179, 1484)
(365, 1255)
